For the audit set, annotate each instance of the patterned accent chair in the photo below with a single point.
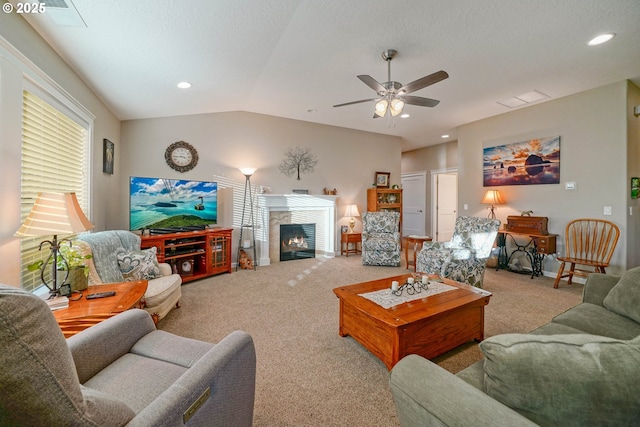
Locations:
(381, 238)
(464, 258)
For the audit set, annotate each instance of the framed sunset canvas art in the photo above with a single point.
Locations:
(536, 161)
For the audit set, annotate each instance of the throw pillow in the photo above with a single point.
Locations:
(568, 380)
(624, 297)
(139, 265)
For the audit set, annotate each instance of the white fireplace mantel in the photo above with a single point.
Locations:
(323, 207)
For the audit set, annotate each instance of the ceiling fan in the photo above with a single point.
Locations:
(392, 96)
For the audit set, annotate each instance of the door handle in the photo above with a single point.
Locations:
(419, 210)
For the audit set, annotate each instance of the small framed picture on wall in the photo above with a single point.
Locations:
(635, 187)
(382, 179)
(108, 149)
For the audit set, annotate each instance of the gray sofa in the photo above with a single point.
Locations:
(119, 372)
(582, 368)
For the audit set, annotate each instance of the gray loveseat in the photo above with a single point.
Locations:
(120, 372)
(582, 368)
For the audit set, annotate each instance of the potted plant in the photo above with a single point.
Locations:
(75, 262)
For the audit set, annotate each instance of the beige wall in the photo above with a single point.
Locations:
(347, 159)
(600, 140)
(633, 170)
(593, 143)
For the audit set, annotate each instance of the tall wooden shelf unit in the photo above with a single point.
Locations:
(194, 254)
(385, 199)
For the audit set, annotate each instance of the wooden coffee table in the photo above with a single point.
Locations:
(84, 313)
(428, 327)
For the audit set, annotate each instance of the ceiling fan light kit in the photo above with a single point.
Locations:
(392, 96)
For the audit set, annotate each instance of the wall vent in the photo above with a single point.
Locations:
(60, 4)
(63, 13)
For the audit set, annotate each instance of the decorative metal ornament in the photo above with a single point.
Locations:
(298, 160)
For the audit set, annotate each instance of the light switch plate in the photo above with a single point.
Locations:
(570, 186)
(607, 210)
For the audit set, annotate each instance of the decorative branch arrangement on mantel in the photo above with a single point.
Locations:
(298, 160)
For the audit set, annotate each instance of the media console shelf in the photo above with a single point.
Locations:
(194, 254)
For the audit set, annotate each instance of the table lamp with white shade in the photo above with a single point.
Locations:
(351, 212)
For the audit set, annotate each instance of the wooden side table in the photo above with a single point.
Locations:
(416, 243)
(84, 313)
(354, 239)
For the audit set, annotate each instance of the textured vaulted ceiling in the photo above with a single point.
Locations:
(285, 58)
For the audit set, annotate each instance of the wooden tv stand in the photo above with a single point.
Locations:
(194, 254)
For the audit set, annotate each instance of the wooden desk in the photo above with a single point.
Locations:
(353, 238)
(417, 242)
(84, 313)
(535, 249)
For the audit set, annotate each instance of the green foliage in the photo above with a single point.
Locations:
(72, 254)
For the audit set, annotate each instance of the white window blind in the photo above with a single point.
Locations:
(54, 158)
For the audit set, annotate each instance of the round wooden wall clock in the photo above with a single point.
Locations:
(181, 156)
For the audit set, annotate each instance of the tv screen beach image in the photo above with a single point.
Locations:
(168, 203)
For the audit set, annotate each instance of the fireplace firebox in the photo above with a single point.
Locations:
(297, 241)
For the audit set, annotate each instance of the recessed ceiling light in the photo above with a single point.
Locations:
(602, 38)
(312, 110)
(405, 116)
(445, 136)
(184, 85)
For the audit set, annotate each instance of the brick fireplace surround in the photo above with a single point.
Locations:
(276, 209)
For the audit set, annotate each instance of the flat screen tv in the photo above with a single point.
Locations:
(159, 203)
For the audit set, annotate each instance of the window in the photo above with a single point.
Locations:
(54, 158)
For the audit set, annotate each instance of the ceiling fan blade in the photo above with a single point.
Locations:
(356, 102)
(424, 82)
(372, 83)
(418, 100)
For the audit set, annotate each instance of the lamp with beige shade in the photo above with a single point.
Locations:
(54, 214)
(492, 198)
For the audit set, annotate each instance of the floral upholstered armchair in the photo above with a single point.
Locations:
(381, 238)
(464, 258)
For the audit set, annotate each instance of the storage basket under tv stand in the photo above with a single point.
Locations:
(194, 254)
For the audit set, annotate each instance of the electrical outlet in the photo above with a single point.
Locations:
(607, 210)
(465, 207)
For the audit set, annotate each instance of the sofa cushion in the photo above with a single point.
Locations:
(159, 289)
(377, 242)
(139, 265)
(624, 298)
(569, 380)
(38, 378)
(553, 328)
(473, 375)
(597, 320)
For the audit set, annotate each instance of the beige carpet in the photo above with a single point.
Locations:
(307, 375)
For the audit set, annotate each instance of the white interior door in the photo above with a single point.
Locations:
(446, 205)
(414, 190)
